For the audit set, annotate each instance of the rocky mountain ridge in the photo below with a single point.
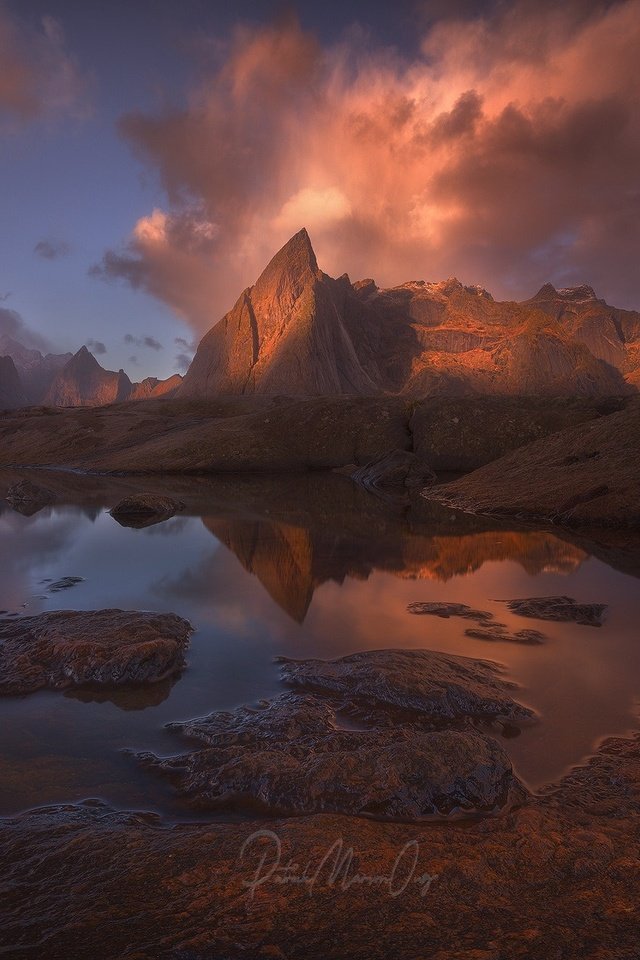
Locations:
(28, 378)
(299, 332)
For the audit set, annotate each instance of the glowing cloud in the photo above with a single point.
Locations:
(37, 75)
(506, 153)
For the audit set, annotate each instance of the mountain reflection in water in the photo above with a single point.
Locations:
(298, 566)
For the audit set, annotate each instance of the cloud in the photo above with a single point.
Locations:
(190, 345)
(13, 327)
(96, 347)
(38, 76)
(183, 361)
(52, 249)
(506, 153)
(150, 342)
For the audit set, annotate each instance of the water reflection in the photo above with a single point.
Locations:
(308, 566)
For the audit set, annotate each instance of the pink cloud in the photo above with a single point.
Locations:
(38, 77)
(506, 154)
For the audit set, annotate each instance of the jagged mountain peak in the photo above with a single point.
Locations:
(294, 262)
(299, 332)
(577, 294)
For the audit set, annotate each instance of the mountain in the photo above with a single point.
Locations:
(285, 335)
(12, 394)
(152, 387)
(84, 383)
(35, 370)
(299, 332)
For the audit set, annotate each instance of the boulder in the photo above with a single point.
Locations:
(68, 648)
(145, 509)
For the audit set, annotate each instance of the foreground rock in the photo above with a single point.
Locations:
(561, 609)
(145, 509)
(27, 497)
(434, 684)
(69, 648)
(289, 758)
(556, 878)
(584, 475)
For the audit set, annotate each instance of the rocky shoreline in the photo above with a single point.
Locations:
(557, 877)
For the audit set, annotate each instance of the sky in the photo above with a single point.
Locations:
(155, 154)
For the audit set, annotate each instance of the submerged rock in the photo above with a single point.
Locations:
(560, 609)
(68, 648)
(446, 610)
(437, 684)
(497, 633)
(290, 758)
(64, 583)
(27, 498)
(145, 509)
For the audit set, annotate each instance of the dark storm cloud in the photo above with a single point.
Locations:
(96, 346)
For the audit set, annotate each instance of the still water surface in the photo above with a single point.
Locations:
(314, 568)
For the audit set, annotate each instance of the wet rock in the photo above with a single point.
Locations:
(65, 583)
(145, 509)
(497, 633)
(446, 610)
(435, 684)
(27, 497)
(395, 471)
(560, 609)
(290, 758)
(69, 648)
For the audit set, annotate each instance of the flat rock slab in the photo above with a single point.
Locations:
(446, 610)
(497, 634)
(68, 648)
(436, 684)
(145, 509)
(560, 609)
(289, 757)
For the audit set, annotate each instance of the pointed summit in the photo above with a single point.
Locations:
(83, 382)
(546, 292)
(293, 265)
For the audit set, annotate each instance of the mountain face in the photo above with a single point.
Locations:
(84, 383)
(12, 395)
(300, 332)
(36, 372)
